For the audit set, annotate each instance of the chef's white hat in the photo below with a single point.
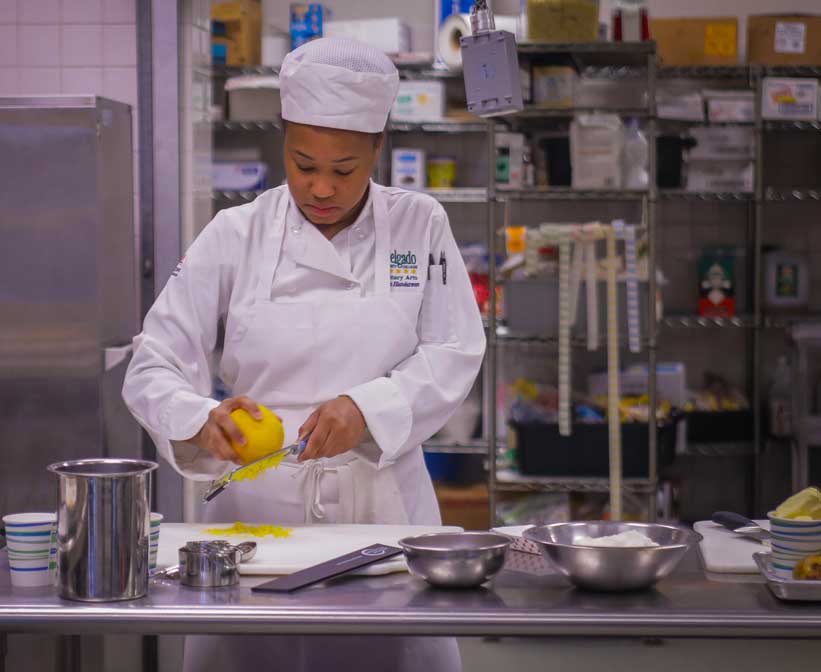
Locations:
(338, 83)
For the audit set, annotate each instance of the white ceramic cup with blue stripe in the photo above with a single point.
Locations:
(791, 541)
(30, 541)
(154, 541)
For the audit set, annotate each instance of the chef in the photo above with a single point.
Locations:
(346, 309)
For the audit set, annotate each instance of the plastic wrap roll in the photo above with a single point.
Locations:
(457, 25)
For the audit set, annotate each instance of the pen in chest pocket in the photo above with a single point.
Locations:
(444, 264)
(431, 262)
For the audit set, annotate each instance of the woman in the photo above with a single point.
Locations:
(334, 318)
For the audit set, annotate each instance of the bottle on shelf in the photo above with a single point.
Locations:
(630, 21)
(779, 400)
(634, 157)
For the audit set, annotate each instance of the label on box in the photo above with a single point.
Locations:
(790, 38)
(720, 39)
(790, 98)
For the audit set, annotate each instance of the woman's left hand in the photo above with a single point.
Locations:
(335, 428)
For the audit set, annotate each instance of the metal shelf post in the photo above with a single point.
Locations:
(758, 219)
(490, 355)
(652, 327)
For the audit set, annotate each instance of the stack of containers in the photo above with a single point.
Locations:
(32, 548)
(793, 540)
(154, 541)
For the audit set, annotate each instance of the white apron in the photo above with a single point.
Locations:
(291, 356)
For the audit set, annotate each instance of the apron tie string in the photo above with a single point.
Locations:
(314, 494)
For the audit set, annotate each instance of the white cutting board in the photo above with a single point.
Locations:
(307, 545)
(726, 552)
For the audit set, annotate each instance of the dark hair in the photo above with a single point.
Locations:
(376, 137)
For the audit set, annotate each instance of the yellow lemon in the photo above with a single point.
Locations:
(261, 436)
(805, 505)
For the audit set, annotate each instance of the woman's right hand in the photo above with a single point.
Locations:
(220, 429)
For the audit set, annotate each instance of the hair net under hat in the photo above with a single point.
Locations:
(338, 83)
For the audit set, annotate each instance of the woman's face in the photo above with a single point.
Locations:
(328, 170)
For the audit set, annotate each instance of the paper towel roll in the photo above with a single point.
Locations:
(457, 25)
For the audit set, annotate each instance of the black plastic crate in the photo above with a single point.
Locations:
(542, 451)
(719, 426)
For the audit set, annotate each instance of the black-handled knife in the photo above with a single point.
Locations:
(741, 525)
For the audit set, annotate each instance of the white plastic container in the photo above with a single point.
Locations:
(779, 399)
(408, 168)
(720, 176)
(634, 157)
(730, 106)
(596, 142)
(253, 98)
(422, 100)
(239, 175)
(722, 143)
(390, 34)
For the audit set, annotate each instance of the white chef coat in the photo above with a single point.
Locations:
(406, 383)
(306, 320)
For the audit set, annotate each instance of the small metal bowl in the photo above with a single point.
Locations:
(455, 559)
(612, 568)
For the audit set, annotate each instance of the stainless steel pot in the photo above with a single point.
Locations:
(103, 528)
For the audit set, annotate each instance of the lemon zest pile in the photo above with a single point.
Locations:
(254, 530)
(253, 472)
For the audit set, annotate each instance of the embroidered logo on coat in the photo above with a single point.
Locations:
(404, 270)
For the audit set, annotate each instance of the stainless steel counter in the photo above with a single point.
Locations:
(685, 605)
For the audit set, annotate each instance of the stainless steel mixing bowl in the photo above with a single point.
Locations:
(609, 568)
(456, 559)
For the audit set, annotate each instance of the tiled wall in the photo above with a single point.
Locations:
(71, 46)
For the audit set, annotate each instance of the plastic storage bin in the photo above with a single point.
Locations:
(542, 451)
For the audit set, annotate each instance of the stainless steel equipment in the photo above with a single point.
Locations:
(456, 559)
(787, 589)
(103, 528)
(68, 296)
(612, 568)
(209, 564)
(247, 549)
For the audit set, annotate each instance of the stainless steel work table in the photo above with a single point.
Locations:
(687, 604)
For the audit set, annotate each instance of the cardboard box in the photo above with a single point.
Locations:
(237, 31)
(391, 35)
(408, 168)
(307, 22)
(784, 39)
(422, 100)
(703, 41)
(464, 506)
(596, 142)
(720, 176)
(722, 142)
(724, 105)
(783, 98)
(682, 106)
(554, 86)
